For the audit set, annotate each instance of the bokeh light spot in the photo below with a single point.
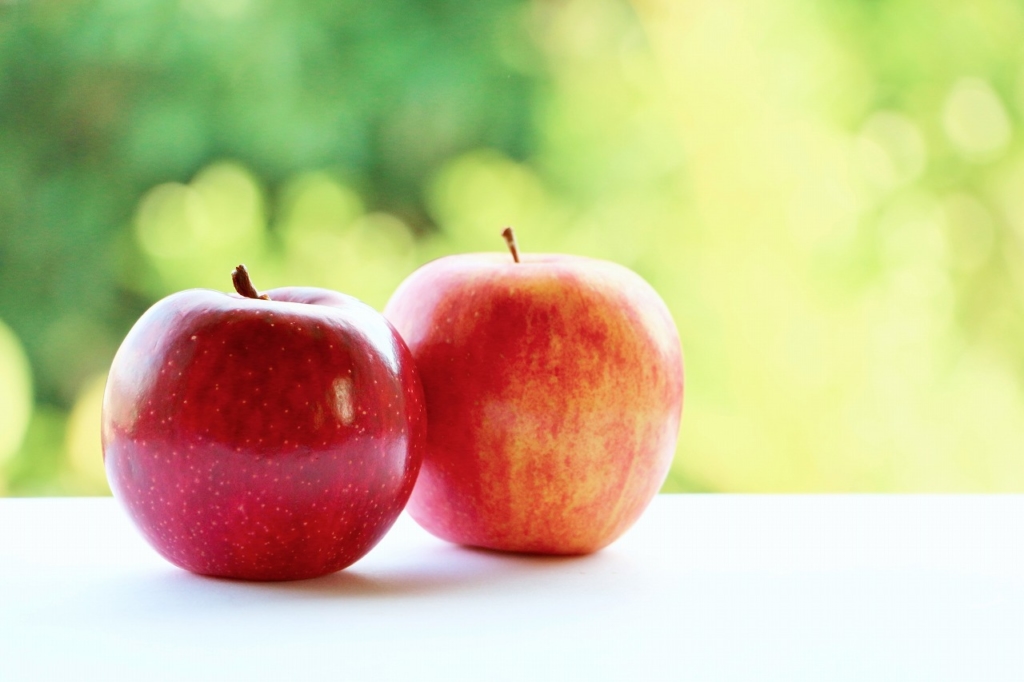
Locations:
(891, 150)
(976, 120)
(15, 393)
(82, 438)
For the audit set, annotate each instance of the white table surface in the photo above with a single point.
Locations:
(758, 588)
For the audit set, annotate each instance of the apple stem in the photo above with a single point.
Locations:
(510, 238)
(243, 284)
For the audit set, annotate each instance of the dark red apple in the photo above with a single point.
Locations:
(263, 437)
(554, 388)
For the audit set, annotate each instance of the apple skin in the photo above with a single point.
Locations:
(554, 391)
(263, 439)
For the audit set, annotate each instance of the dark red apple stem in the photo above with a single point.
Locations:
(510, 238)
(243, 284)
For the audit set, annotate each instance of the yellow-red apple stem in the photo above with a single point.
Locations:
(510, 238)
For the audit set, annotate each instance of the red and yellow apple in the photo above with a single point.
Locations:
(554, 388)
(262, 437)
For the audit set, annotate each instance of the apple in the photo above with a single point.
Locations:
(554, 388)
(270, 436)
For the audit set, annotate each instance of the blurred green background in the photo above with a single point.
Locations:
(828, 195)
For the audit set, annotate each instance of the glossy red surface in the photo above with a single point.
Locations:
(554, 392)
(264, 440)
